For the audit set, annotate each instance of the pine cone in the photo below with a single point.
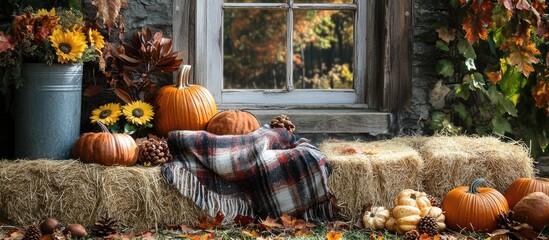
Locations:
(33, 233)
(58, 235)
(435, 202)
(427, 225)
(412, 235)
(154, 152)
(283, 121)
(105, 227)
(506, 220)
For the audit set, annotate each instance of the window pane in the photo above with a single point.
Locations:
(324, 1)
(254, 49)
(323, 49)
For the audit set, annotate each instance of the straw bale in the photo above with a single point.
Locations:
(371, 172)
(139, 197)
(33, 190)
(74, 192)
(457, 161)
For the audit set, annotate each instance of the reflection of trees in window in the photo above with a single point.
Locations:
(255, 48)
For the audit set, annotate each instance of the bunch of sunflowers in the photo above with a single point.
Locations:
(54, 36)
(136, 117)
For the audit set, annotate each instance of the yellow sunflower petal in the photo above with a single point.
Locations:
(138, 112)
(96, 39)
(108, 114)
(69, 46)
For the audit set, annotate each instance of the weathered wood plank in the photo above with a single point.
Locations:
(331, 121)
(397, 56)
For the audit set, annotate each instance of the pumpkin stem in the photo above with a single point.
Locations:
(183, 77)
(103, 127)
(473, 188)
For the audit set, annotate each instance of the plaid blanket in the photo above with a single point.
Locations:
(265, 173)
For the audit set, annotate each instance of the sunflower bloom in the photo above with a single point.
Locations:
(107, 114)
(43, 12)
(69, 46)
(138, 112)
(96, 39)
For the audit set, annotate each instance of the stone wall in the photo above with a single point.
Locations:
(427, 14)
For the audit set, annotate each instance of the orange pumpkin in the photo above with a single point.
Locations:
(524, 186)
(472, 208)
(233, 122)
(183, 106)
(106, 148)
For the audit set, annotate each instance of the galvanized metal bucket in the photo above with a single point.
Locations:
(47, 111)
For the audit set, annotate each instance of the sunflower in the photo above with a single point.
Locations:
(107, 114)
(69, 45)
(43, 12)
(96, 39)
(138, 112)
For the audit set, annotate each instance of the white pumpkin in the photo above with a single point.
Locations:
(375, 218)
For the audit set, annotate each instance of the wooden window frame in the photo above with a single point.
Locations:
(388, 84)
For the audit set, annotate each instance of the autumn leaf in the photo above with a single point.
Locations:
(494, 77)
(215, 222)
(476, 21)
(523, 57)
(302, 232)
(523, 4)
(446, 35)
(250, 233)
(243, 220)
(288, 221)
(334, 235)
(109, 11)
(541, 94)
(14, 233)
(270, 223)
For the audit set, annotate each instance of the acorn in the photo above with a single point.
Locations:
(49, 225)
(76, 230)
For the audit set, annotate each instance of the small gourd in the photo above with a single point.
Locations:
(407, 217)
(106, 148)
(375, 218)
(412, 197)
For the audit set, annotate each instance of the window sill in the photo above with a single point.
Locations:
(323, 119)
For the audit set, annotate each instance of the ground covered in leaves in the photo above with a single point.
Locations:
(286, 227)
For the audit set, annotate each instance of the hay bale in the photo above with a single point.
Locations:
(371, 172)
(74, 192)
(459, 160)
(138, 197)
(33, 190)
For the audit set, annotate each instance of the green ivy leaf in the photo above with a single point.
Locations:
(477, 81)
(501, 125)
(470, 64)
(461, 110)
(442, 45)
(445, 67)
(129, 129)
(466, 49)
(463, 92)
(436, 120)
(502, 102)
(512, 82)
